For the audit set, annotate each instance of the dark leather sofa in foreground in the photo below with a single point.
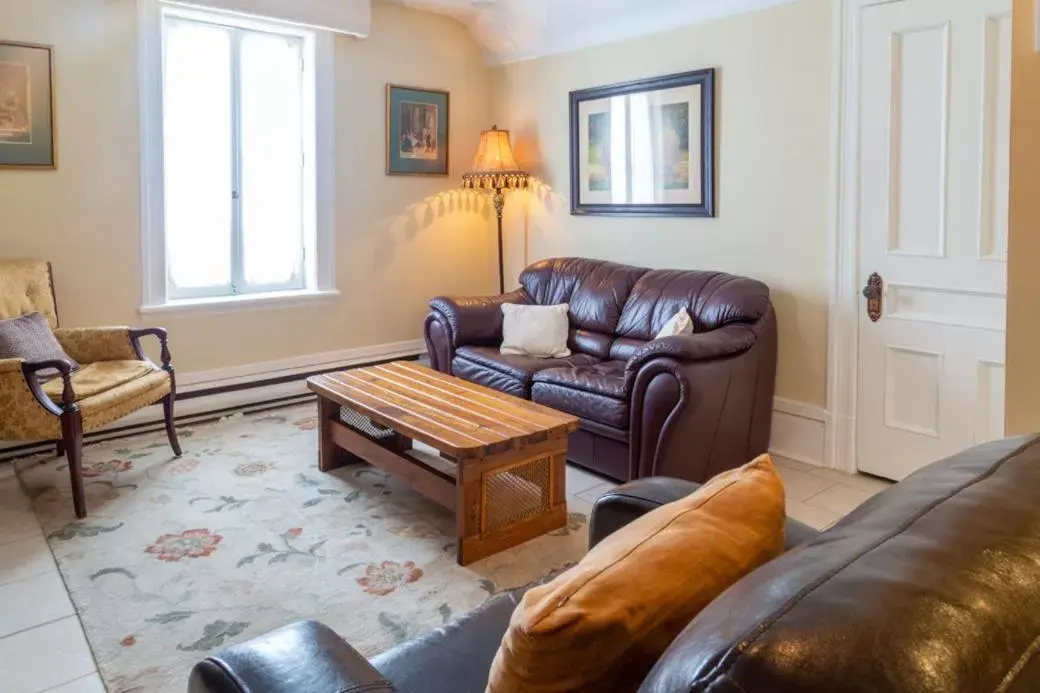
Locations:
(932, 586)
(689, 407)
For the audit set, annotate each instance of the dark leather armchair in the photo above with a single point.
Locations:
(686, 407)
(932, 586)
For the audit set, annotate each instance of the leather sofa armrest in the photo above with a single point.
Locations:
(729, 340)
(476, 321)
(305, 657)
(628, 502)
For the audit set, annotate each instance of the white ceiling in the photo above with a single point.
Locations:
(511, 30)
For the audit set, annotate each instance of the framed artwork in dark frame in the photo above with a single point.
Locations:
(645, 148)
(26, 106)
(417, 131)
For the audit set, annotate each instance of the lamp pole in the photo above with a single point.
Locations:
(499, 200)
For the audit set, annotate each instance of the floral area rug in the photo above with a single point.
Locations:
(243, 534)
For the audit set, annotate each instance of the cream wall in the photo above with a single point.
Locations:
(1023, 326)
(399, 240)
(773, 174)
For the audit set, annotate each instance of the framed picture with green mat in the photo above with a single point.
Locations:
(417, 131)
(26, 110)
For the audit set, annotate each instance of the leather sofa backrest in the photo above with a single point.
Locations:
(714, 299)
(615, 309)
(931, 586)
(595, 290)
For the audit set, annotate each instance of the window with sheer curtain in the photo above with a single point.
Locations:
(238, 203)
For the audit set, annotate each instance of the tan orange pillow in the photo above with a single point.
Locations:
(600, 626)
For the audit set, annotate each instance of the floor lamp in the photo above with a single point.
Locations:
(496, 169)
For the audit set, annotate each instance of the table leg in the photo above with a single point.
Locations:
(330, 455)
(507, 499)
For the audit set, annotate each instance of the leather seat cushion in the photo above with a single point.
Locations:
(507, 373)
(586, 405)
(606, 378)
(456, 657)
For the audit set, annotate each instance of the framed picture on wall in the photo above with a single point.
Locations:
(417, 131)
(26, 106)
(645, 147)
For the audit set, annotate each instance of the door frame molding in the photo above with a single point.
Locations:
(843, 237)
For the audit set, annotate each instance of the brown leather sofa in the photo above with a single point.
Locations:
(685, 407)
(932, 586)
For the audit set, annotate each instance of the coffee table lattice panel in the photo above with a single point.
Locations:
(516, 493)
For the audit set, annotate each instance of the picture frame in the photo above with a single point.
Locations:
(664, 128)
(26, 106)
(418, 131)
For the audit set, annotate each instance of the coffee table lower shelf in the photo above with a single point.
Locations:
(500, 499)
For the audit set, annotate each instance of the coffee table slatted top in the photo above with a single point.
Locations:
(459, 418)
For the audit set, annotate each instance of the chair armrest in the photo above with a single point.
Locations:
(68, 395)
(305, 657)
(476, 321)
(729, 340)
(628, 502)
(164, 344)
(93, 344)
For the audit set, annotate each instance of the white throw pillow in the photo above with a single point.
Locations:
(539, 331)
(680, 324)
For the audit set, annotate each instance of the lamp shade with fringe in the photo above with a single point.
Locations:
(495, 167)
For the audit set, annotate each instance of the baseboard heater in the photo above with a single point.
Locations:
(204, 405)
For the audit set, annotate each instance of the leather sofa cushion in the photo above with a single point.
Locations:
(595, 290)
(623, 349)
(712, 298)
(606, 378)
(601, 625)
(596, 392)
(455, 657)
(592, 343)
(585, 405)
(507, 373)
(930, 586)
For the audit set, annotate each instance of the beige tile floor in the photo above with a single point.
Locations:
(42, 645)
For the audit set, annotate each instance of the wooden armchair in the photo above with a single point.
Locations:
(115, 377)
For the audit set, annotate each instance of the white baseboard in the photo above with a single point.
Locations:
(799, 432)
(232, 388)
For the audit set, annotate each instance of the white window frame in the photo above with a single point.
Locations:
(318, 280)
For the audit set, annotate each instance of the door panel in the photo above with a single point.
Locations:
(934, 116)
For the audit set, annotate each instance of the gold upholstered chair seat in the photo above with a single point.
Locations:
(109, 390)
(114, 379)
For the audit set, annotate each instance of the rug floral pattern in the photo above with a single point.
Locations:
(181, 557)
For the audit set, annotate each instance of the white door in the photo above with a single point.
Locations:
(934, 123)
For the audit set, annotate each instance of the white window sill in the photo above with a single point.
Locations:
(232, 304)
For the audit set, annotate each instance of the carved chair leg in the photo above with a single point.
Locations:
(171, 432)
(72, 436)
(59, 448)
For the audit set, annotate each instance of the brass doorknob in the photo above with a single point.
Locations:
(873, 292)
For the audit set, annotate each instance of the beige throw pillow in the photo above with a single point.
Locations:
(539, 331)
(680, 324)
(599, 627)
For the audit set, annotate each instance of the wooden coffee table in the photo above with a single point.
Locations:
(508, 456)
